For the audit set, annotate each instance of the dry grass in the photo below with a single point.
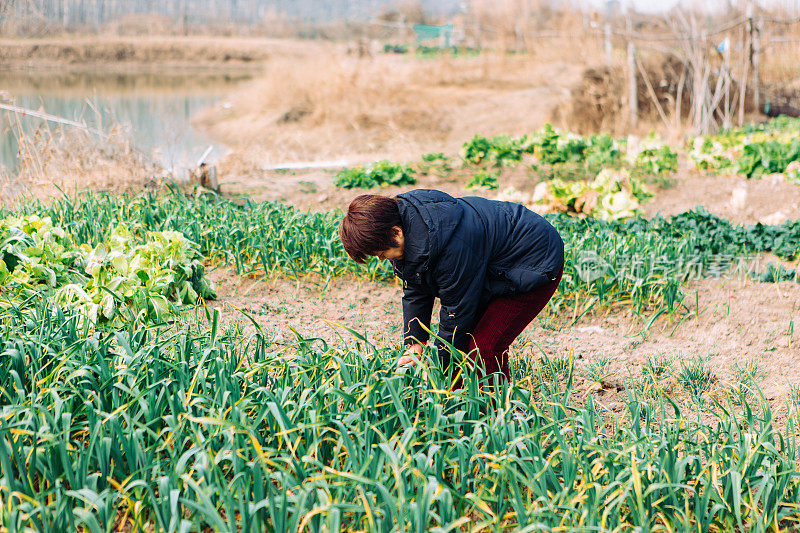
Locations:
(329, 102)
(537, 27)
(53, 161)
(782, 63)
(10, 194)
(335, 105)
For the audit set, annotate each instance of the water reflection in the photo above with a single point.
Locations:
(154, 108)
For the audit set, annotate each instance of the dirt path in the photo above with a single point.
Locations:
(741, 200)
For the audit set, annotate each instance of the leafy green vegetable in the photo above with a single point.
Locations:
(435, 163)
(564, 155)
(483, 180)
(381, 174)
(775, 274)
(653, 157)
(793, 172)
(433, 156)
(752, 150)
(148, 275)
(498, 151)
(610, 196)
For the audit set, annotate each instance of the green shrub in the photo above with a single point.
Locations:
(395, 48)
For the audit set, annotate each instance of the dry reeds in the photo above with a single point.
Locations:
(532, 26)
(331, 103)
(52, 160)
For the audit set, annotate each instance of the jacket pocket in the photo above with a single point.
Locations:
(527, 279)
(498, 282)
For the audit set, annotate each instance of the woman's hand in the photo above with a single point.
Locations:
(413, 354)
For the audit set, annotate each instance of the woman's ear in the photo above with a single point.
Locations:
(397, 235)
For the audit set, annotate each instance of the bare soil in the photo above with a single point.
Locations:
(338, 106)
(737, 322)
(745, 201)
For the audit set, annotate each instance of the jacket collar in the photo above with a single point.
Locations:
(429, 218)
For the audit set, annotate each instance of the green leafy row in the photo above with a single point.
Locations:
(143, 275)
(554, 154)
(567, 155)
(178, 429)
(639, 263)
(642, 263)
(266, 237)
(753, 150)
(716, 235)
(380, 174)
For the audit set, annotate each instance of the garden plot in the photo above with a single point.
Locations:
(207, 423)
(655, 391)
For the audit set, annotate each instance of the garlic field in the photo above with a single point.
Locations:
(188, 427)
(129, 404)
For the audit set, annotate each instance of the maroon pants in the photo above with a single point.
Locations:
(501, 321)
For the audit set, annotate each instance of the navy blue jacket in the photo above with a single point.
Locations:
(467, 252)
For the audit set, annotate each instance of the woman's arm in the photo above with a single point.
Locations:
(462, 275)
(417, 309)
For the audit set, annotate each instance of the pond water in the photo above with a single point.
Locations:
(154, 109)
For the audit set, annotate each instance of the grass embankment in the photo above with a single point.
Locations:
(187, 426)
(146, 51)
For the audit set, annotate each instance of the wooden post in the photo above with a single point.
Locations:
(756, 62)
(633, 102)
(726, 72)
(743, 80)
(754, 53)
(704, 94)
(607, 43)
(699, 76)
(184, 17)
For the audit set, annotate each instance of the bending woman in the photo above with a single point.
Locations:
(494, 266)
